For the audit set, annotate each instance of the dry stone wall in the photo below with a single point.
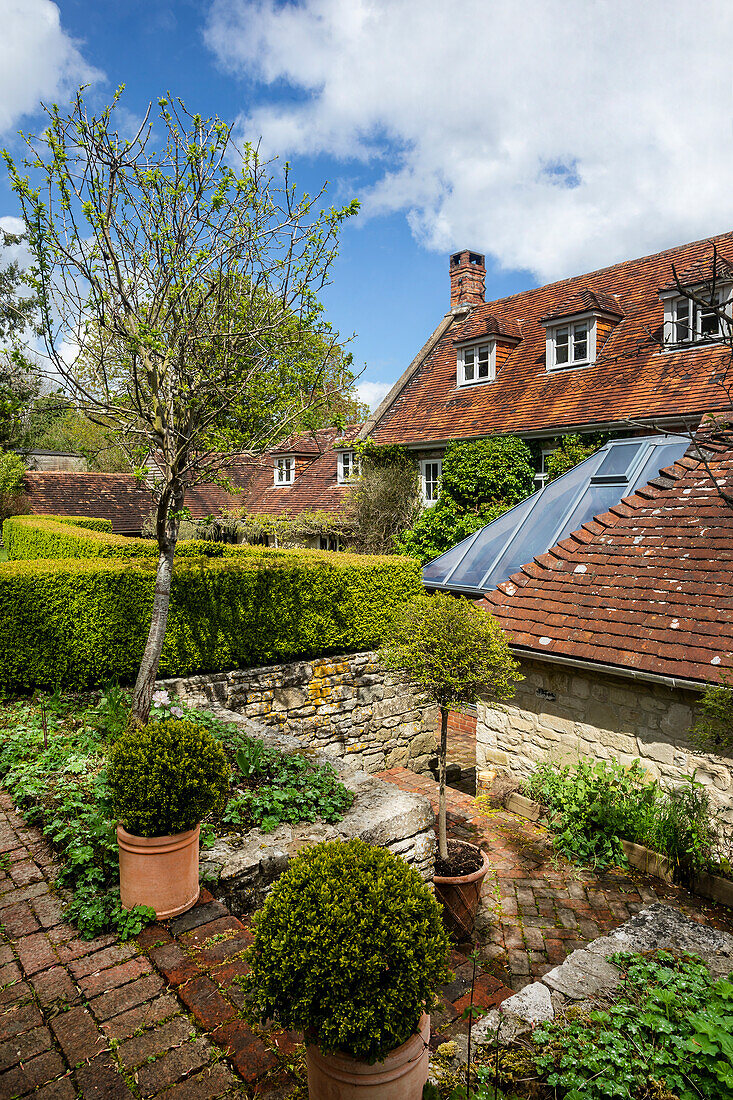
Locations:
(565, 714)
(347, 706)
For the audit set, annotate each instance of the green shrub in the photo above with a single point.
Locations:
(592, 807)
(350, 946)
(81, 521)
(31, 538)
(713, 730)
(84, 622)
(165, 777)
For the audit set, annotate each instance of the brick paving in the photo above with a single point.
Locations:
(161, 1017)
(537, 907)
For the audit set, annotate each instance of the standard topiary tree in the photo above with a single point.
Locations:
(349, 947)
(166, 776)
(457, 652)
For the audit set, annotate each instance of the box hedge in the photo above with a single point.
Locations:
(83, 621)
(31, 538)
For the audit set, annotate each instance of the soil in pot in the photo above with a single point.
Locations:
(459, 892)
(400, 1076)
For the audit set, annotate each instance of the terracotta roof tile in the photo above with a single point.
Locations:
(655, 591)
(632, 378)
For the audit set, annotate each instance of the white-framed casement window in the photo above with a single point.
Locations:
(430, 471)
(687, 322)
(541, 476)
(571, 344)
(348, 466)
(476, 363)
(284, 471)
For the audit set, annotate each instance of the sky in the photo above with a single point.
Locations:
(554, 136)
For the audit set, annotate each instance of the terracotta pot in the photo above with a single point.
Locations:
(460, 896)
(400, 1076)
(159, 871)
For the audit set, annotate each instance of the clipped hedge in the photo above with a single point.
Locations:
(31, 538)
(81, 622)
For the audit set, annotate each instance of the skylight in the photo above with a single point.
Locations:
(493, 554)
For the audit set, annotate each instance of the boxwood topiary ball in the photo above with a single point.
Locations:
(167, 776)
(349, 946)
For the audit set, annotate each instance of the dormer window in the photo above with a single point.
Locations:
(476, 363)
(571, 344)
(348, 466)
(284, 471)
(688, 322)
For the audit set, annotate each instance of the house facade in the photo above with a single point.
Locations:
(619, 351)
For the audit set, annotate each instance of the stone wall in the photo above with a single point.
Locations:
(564, 714)
(347, 706)
(240, 869)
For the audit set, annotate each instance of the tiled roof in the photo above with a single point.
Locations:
(632, 378)
(117, 497)
(477, 325)
(646, 586)
(586, 302)
(701, 270)
(315, 488)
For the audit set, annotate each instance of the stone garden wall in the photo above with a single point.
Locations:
(565, 714)
(347, 706)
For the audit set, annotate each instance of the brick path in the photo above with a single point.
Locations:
(161, 1018)
(537, 907)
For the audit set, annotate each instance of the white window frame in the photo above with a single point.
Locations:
(348, 467)
(588, 321)
(284, 470)
(429, 501)
(672, 299)
(541, 476)
(474, 347)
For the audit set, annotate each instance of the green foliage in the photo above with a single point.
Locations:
(12, 468)
(284, 529)
(84, 622)
(481, 478)
(349, 946)
(668, 1033)
(165, 777)
(56, 777)
(290, 789)
(571, 450)
(384, 501)
(593, 806)
(453, 649)
(33, 538)
(713, 729)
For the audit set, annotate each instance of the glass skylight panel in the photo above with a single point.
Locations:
(493, 554)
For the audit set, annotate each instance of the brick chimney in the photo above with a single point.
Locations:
(467, 278)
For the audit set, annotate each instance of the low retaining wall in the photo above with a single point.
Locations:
(347, 706)
(241, 869)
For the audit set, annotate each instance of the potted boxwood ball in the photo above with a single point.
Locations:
(349, 948)
(164, 778)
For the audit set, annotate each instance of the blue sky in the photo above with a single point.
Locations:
(556, 136)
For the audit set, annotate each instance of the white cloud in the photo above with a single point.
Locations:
(372, 393)
(38, 59)
(555, 135)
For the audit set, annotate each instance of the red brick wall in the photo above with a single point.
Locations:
(461, 723)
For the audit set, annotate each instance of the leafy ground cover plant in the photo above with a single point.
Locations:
(592, 806)
(53, 762)
(667, 1034)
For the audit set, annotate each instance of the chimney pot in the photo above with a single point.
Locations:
(467, 278)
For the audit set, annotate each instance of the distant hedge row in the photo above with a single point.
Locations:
(82, 622)
(31, 538)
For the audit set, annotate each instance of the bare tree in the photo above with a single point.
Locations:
(177, 294)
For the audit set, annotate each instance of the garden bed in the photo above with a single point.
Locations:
(53, 756)
(694, 837)
(635, 1015)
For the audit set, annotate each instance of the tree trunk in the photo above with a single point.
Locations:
(442, 761)
(167, 523)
